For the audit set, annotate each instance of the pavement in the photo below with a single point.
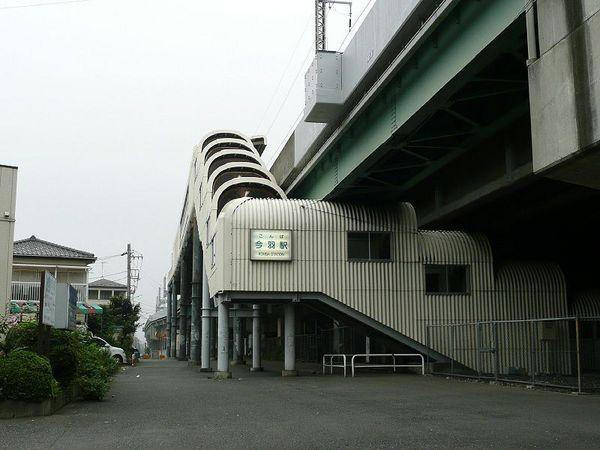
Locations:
(166, 404)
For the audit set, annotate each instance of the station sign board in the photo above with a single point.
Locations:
(271, 245)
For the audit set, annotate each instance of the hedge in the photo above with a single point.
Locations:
(73, 359)
(25, 375)
(95, 370)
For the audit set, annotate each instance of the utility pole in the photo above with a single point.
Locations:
(321, 21)
(129, 272)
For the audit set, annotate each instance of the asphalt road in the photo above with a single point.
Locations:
(165, 404)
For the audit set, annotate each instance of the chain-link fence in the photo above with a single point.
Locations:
(311, 347)
(554, 352)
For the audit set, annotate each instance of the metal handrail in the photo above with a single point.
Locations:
(388, 355)
(331, 364)
(30, 291)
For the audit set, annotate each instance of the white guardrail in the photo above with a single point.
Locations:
(332, 364)
(339, 360)
(388, 355)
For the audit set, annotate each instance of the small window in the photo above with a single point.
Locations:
(371, 246)
(446, 279)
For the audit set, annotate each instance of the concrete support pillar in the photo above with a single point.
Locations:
(173, 300)
(189, 330)
(237, 338)
(184, 304)
(205, 345)
(531, 21)
(256, 362)
(289, 345)
(196, 298)
(168, 349)
(223, 342)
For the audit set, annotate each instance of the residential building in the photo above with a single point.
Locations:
(33, 256)
(101, 291)
(8, 200)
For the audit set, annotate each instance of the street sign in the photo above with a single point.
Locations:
(65, 310)
(271, 245)
(48, 306)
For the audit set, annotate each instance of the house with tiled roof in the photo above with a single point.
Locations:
(33, 256)
(102, 290)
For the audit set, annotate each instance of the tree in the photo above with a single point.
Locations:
(117, 324)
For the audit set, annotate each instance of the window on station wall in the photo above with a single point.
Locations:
(369, 246)
(446, 279)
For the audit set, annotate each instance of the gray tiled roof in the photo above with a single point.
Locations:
(104, 283)
(37, 248)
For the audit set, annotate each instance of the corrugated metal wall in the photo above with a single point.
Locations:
(586, 303)
(393, 292)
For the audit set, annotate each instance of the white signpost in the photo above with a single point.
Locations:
(271, 245)
(49, 300)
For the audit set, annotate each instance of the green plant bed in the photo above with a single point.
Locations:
(74, 360)
(95, 371)
(25, 375)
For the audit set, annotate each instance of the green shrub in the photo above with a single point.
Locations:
(22, 336)
(25, 375)
(94, 372)
(65, 347)
(73, 358)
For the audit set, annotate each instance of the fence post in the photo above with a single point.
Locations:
(496, 352)
(452, 346)
(532, 342)
(577, 343)
(478, 344)
(427, 332)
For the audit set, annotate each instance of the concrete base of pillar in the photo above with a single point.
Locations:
(289, 373)
(256, 369)
(204, 369)
(221, 375)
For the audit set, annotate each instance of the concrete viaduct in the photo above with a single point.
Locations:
(481, 114)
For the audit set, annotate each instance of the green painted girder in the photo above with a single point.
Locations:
(466, 33)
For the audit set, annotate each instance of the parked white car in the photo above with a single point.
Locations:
(115, 352)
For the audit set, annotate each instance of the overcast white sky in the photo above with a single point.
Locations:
(101, 102)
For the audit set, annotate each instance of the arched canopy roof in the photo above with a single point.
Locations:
(223, 134)
(233, 170)
(228, 157)
(245, 187)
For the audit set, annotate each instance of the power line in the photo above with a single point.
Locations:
(285, 70)
(33, 5)
(102, 258)
(356, 24)
(302, 69)
(109, 275)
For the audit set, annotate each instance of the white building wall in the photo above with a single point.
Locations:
(391, 292)
(8, 201)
